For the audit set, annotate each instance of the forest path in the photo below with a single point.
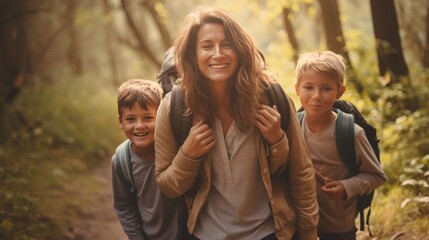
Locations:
(97, 219)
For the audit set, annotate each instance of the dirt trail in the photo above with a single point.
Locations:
(98, 220)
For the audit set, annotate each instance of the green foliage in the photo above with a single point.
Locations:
(20, 220)
(56, 122)
(71, 113)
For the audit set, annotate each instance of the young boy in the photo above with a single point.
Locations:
(146, 213)
(319, 82)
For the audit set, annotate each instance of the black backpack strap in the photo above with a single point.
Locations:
(276, 96)
(180, 122)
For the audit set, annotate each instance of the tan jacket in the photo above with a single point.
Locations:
(292, 193)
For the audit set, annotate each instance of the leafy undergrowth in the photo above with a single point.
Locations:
(43, 200)
(50, 138)
(390, 221)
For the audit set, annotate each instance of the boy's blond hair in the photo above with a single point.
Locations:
(327, 63)
(146, 92)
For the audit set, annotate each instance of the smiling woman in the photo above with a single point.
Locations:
(230, 167)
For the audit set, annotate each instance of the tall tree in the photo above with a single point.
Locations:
(386, 29)
(74, 50)
(108, 30)
(291, 33)
(425, 58)
(335, 40)
(391, 61)
(14, 61)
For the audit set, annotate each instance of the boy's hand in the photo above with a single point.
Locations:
(334, 190)
(268, 122)
(199, 141)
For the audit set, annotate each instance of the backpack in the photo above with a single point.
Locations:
(168, 75)
(122, 160)
(347, 116)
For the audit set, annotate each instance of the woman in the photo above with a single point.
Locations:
(231, 167)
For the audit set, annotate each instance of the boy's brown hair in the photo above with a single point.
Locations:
(327, 63)
(145, 92)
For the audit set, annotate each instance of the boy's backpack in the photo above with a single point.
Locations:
(122, 160)
(347, 116)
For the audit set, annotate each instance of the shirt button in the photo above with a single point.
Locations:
(274, 150)
(265, 170)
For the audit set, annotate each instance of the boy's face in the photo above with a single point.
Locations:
(318, 93)
(139, 126)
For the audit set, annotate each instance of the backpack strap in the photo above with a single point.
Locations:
(123, 160)
(180, 122)
(345, 139)
(276, 96)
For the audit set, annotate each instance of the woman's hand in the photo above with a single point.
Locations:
(268, 121)
(199, 141)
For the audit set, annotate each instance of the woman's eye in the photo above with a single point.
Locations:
(227, 45)
(206, 46)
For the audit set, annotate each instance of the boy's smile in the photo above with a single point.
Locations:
(139, 126)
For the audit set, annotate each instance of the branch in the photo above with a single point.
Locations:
(143, 47)
(21, 14)
(148, 4)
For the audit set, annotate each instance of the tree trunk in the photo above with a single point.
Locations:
(335, 39)
(291, 33)
(425, 59)
(74, 50)
(108, 32)
(12, 51)
(386, 30)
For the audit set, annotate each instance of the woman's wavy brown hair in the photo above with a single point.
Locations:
(248, 83)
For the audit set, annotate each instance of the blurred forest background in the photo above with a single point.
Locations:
(62, 61)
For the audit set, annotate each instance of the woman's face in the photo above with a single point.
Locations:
(216, 58)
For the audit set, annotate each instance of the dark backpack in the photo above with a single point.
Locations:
(168, 75)
(347, 116)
